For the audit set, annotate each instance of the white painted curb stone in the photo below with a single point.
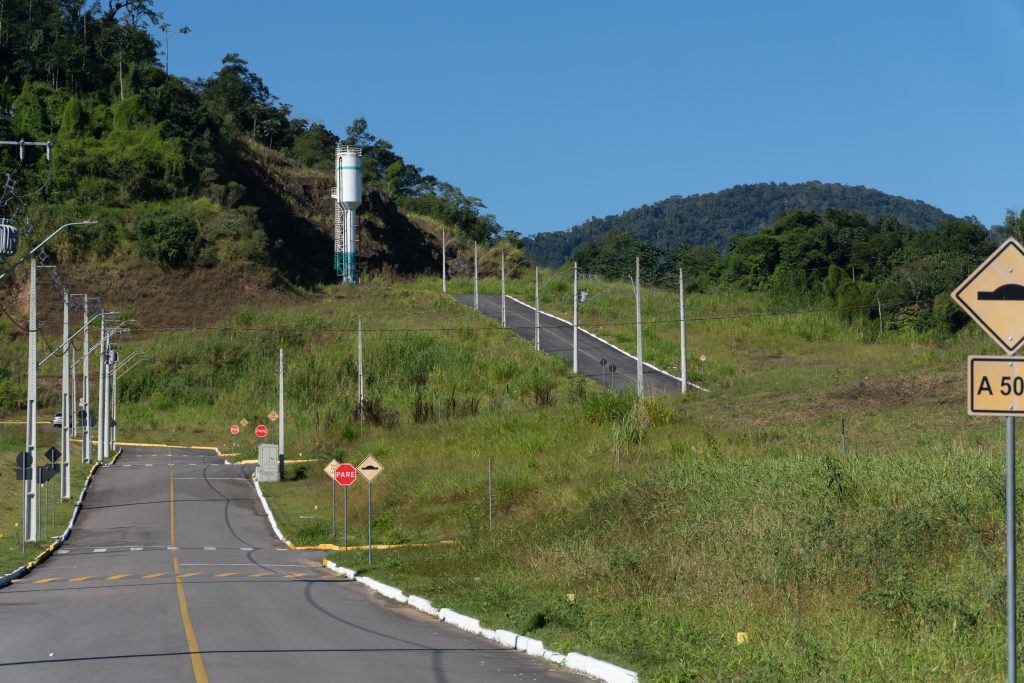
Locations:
(599, 669)
(582, 664)
(270, 515)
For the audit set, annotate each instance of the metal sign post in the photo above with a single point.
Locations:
(370, 469)
(1011, 551)
(993, 295)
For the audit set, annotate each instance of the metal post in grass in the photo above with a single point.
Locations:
(334, 511)
(359, 354)
(575, 316)
(1011, 550)
(476, 281)
(444, 262)
(842, 433)
(369, 523)
(639, 336)
(682, 334)
(345, 503)
(536, 308)
(490, 495)
(503, 289)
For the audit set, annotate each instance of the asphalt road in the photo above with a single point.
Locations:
(173, 574)
(618, 372)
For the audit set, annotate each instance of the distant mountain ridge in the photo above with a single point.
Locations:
(717, 217)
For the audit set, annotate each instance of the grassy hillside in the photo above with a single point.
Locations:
(648, 533)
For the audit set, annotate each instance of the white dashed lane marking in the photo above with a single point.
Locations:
(139, 548)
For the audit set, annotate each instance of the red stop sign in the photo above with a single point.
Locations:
(345, 475)
(234, 429)
(261, 431)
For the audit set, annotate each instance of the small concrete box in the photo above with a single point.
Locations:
(270, 467)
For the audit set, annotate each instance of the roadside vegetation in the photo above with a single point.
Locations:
(646, 532)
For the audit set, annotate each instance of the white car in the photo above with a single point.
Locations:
(58, 420)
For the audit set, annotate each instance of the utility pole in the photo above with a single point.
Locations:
(536, 308)
(575, 317)
(476, 281)
(639, 336)
(101, 452)
(503, 289)
(86, 419)
(444, 262)
(74, 395)
(280, 407)
(113, 407)
(682, 334)
(65, 408)
(31, 522)
(359, 354)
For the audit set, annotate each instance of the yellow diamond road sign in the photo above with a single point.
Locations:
(243, 422)
(332, 466)
(273, 416)
(370, 468)
(994, 295)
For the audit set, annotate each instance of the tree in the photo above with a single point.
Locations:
(1013, 225)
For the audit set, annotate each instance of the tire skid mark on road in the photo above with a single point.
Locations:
(198, 668)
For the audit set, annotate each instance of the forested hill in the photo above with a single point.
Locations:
(200, 188)
(714, 219)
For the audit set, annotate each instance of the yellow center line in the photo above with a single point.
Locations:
(187, 575)
(223, 574)
(261, 574)
(47, 580)
(80, 578)
(198, 669)
(295, 576)
(153, 576)
(117, 577)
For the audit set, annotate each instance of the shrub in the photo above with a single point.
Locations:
(169, 238)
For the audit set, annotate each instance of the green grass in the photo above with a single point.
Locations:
(674, 523)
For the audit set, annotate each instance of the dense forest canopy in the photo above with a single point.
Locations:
(714, 219)
(835, 258)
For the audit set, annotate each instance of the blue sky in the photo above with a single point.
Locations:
(553, 112)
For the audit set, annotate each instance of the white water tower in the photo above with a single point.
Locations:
(348, 195)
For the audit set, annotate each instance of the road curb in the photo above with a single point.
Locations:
(7, 579)
(574, 661)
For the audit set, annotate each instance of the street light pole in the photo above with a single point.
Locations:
(503, 289)
(86, 418)
(280, 408)
(31, 522)
(65, 408)
(102, 390)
